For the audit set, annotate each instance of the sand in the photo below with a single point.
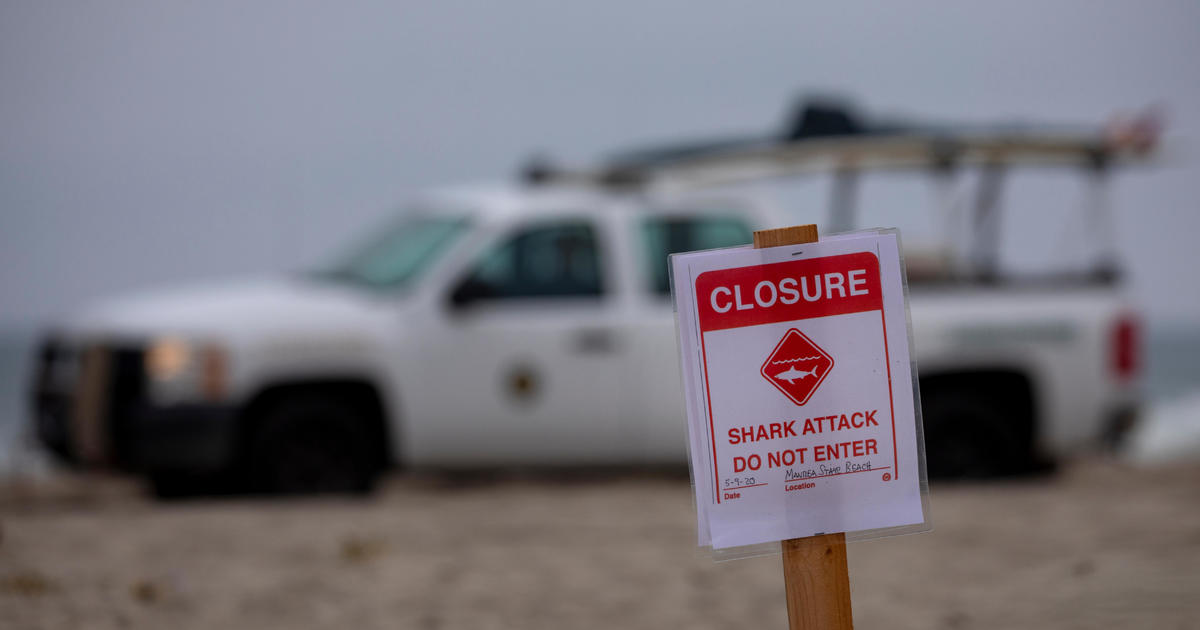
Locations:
(1099, 545)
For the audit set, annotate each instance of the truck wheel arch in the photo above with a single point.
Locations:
(360, 393)
(1011, 393)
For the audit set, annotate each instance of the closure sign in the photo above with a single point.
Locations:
(799, 390)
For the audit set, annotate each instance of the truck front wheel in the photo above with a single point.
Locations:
(306, 444)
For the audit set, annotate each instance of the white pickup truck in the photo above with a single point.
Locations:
(531, 324)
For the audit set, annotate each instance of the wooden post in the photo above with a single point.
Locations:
(816, 582)
(816, 578)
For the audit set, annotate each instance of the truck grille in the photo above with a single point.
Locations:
(84, 398)
(53, 396)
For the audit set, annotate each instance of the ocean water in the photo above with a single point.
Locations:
(16, 360)
(1170, 429)
(1172, 363)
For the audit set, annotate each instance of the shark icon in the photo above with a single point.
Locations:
(793, 351)
(791, 374)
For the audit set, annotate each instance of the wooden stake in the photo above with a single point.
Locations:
(795, 235)
(816, 581)
(816, 578)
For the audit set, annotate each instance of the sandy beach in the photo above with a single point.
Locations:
(1098, 545)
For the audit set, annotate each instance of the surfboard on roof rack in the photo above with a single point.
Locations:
(829, 136)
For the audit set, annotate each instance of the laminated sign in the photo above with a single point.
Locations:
(800, 390)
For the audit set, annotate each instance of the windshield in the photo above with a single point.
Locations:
(397, 256)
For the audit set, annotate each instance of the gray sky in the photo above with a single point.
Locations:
(150, 143)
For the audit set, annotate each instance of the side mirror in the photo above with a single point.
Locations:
(468, 292)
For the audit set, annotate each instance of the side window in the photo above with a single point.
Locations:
(663, 236)
(548, 260)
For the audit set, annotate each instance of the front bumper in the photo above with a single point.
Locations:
(90, 409)
(184, 438)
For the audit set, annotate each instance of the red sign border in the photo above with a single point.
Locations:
(887, 364)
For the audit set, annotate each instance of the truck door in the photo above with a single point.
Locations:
(653, 348)
(527, 366)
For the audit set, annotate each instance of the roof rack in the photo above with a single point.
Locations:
(830, 137)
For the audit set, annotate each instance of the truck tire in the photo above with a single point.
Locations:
(967, 437)
(311, 444)
(168, 485)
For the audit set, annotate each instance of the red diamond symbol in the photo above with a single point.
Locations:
(797, 366)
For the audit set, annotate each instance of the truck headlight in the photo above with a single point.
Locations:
(167, 359)
(179, 370)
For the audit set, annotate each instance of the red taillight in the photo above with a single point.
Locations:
(1125, 351)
